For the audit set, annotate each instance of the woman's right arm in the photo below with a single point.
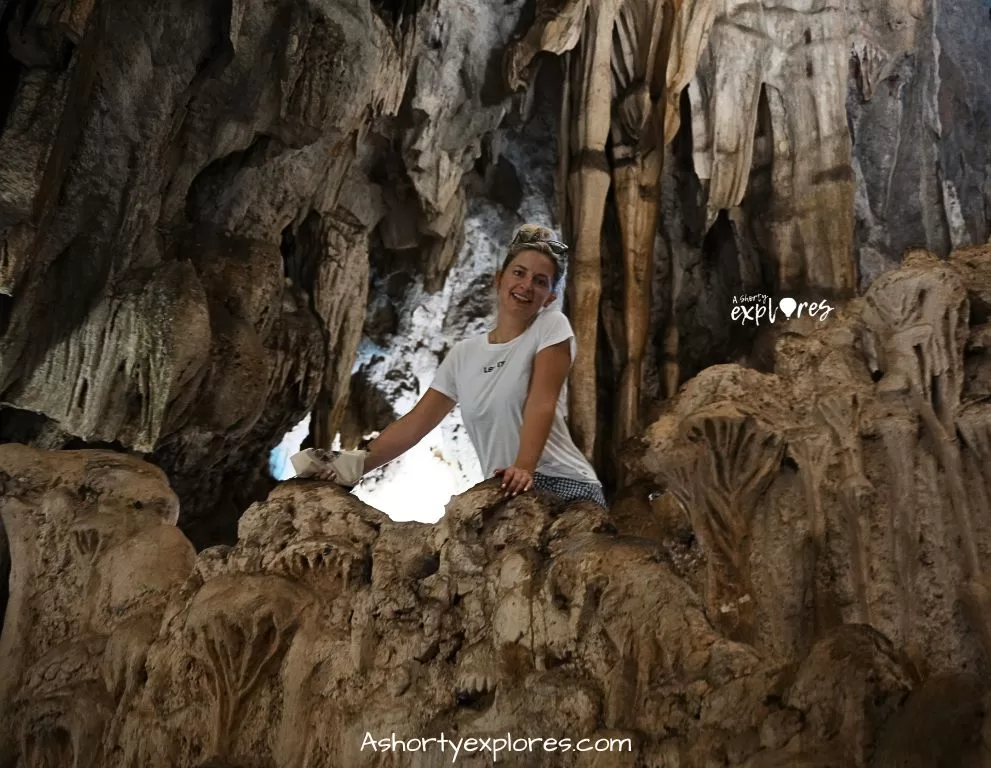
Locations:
(405, 432)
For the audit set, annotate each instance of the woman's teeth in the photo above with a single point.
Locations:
(520, 298)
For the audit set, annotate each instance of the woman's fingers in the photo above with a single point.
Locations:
(509, 481)
(516, 481)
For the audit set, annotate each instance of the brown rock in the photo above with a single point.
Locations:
(328, 622)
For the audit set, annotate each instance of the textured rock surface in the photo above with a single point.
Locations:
(328, 621)
(172, 257)
(810, 130)
(195, 199)
(920, 73)
(789, 61)
(94, 557)
(186, 199)
(810, 590)
(849, 485)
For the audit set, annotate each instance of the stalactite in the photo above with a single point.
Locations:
(798, 57)
(629, 59)
(654, 50)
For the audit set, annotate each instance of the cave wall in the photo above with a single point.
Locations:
(904, 87)
(848, 484)
(187, 193)
(918, 101)
(796, 577)
(195, 200)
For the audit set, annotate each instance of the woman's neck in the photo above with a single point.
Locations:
(508, 329)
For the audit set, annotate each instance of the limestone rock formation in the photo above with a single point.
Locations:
(804, 585)
(199, 202)
(94, 557)
(768, 173)
(626, 66)
(850, 484)
(187, 200)
(919, 73)
(328, 622)
(195, 199)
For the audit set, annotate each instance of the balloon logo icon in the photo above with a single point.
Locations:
(787, 306)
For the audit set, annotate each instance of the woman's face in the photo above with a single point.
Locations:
(525, 287)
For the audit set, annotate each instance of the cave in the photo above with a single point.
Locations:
(756, 282)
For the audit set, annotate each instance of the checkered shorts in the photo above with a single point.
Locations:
(570, 490)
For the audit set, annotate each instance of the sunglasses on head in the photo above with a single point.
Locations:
(523, 238)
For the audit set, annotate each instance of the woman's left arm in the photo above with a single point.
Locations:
(550, 369)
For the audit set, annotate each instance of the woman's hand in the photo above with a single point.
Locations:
(346, 469)
(515, 480)
(331, 475)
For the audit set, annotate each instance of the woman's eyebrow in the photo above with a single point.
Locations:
(536, 274)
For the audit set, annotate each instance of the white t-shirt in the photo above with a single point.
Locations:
(491, 382)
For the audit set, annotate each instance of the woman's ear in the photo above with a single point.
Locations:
(498, 277)
(550, 300)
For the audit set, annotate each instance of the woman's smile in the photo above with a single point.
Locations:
(527, 282)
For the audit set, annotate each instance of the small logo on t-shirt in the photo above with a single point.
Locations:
(490, 368)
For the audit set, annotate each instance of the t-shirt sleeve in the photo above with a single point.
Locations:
(445, 380)
(554, 329)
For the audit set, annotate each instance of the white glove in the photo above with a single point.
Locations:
(347, 466)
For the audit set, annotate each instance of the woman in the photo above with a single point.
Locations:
(510, 383)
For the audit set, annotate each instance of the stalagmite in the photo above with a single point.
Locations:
(814, 451)
(918, 316)
(839, 413)
(900, 436)
(738, 456)
(878, 512)
(237, 631)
